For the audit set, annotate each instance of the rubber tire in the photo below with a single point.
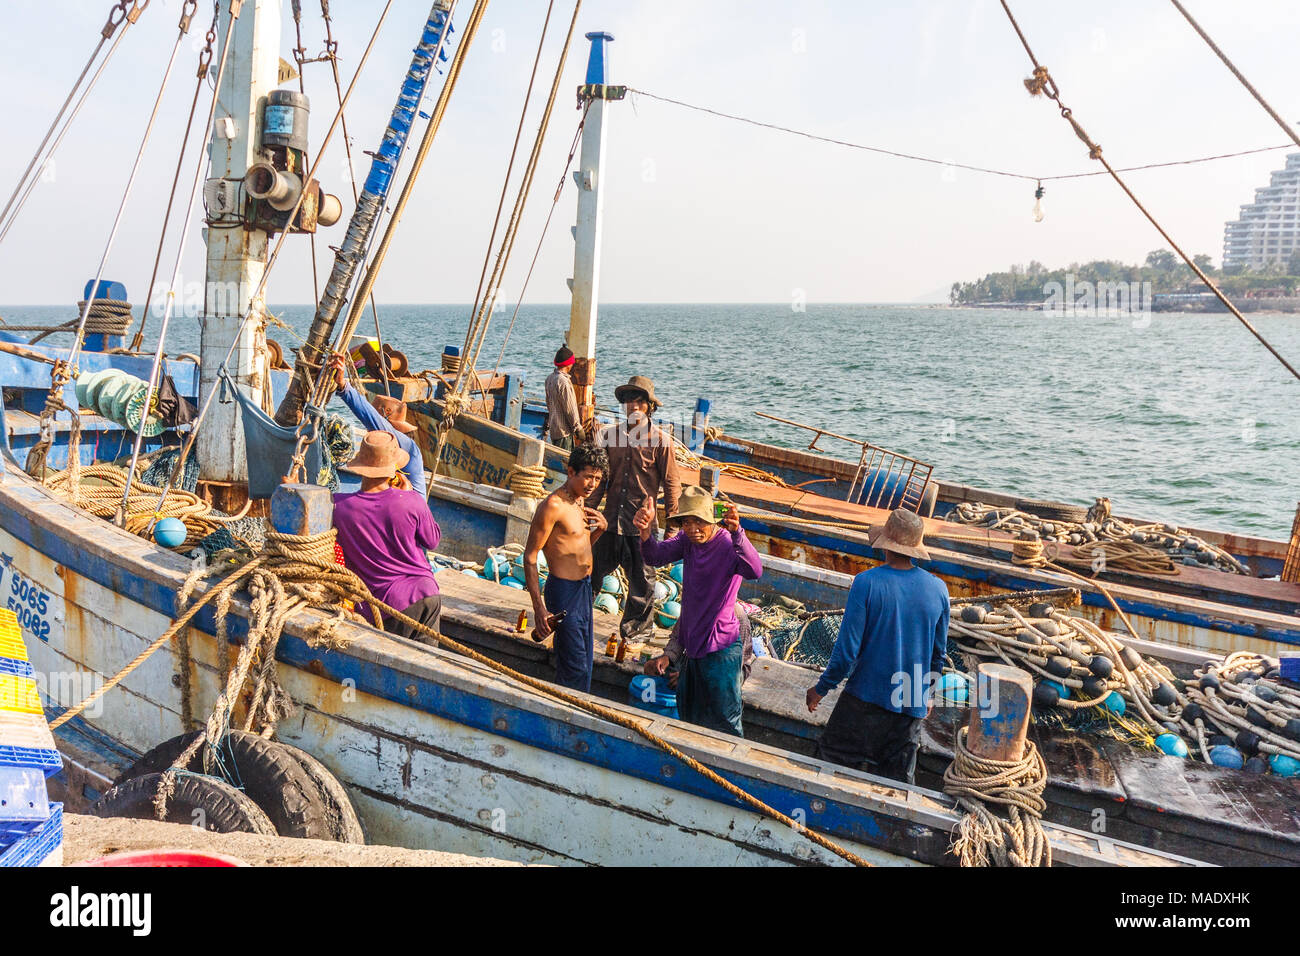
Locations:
(225, 809)
(345, 824)
(1053, 510)
(271, 777)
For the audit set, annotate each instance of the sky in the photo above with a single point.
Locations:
(699, 208)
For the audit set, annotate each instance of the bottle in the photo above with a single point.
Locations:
(622, 650)
(552, 622)
(611, 646)
(521, 625)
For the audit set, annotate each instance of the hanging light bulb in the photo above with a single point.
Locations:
(1038, 203)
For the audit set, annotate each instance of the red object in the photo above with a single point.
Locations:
(566, 363)
(338, 554)
(164, 858)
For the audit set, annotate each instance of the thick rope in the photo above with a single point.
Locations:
(985, 837)
(527, 480)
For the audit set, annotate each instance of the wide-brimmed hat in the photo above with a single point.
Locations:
(638, 383)
(902, 533)
(694, 502)
(380, 456)
(394, 411)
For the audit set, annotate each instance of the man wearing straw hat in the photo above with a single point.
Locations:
(384, 533)
(641, 462)
(383, 413)
(714, 562)
(895, 627)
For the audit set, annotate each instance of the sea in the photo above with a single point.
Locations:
(1177, 418)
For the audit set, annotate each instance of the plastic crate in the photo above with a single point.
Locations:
(26, 741)
(12, 646)
(17, 668)
(19, 695)
(39, 846)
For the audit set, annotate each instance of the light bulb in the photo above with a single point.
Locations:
(1038, 204)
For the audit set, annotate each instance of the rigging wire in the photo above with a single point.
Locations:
(120, 517)
(205, 61)
(130, 17)
(183, 28)
(271, 261)
(1042, 83)
(564, 178)
(1286, 127)
(943, 162)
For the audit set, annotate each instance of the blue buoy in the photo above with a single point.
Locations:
(1115, 703)
(1062, 691)
(170, 532)
(611, 585)
(676, 572)
(953, 689)
(512, 583)
(669, 613)
(1229, 757)
(661, 592)
(1284, 765)
(470, 571)
(1172, 744)
(607, 603)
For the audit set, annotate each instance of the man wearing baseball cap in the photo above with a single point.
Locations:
(562, 420)
(891, 647)
(384, 533)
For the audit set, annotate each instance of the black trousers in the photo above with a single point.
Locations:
(867, 737)
(428, 612)
(613, 550)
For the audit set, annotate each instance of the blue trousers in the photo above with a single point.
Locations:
(708, 689)
(573, 637)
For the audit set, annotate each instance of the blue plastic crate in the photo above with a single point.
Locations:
(26, 741)
(47, 760)
(34, 848)
(15, 668)
(1290, 667)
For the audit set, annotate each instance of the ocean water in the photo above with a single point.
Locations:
(1182, 418)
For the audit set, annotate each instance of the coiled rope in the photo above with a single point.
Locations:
(527, 480)
(984, 837)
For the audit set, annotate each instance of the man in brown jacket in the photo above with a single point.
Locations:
(641, 463)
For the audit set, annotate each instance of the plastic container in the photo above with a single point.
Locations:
(26, 741)
(15, 668)
(41, 846)
(18, 695)
(652, 694)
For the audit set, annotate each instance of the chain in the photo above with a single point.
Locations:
(205, 55)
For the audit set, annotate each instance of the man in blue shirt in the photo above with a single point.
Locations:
(386, 414)
(891, 647)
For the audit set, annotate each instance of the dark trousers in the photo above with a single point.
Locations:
(866, 737)
(613, 550)
(708, 689)
(428, 612)
(573, 637)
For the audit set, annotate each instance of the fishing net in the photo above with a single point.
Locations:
(160, 470)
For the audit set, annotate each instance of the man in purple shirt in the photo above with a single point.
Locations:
(714, 562)
(385, 532)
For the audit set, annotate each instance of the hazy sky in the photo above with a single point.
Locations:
(700, 209)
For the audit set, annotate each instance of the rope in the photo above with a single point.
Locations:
(943, 162)
(293, 572)
(527, 480)
(103, 317)
(984, 837)
(1285, 126)
(1042, 83)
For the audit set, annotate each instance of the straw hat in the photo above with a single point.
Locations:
(638, 383)
(902, 533)
(694, 502)
(394, 411)
(380, 456)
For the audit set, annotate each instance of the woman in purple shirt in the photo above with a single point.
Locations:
(714, 562)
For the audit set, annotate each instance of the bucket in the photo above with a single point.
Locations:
(652, 694)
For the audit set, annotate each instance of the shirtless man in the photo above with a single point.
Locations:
(563, 529)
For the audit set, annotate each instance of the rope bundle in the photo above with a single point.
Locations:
(1108, 542)
(985, 837)
(1237, 697)
(106, 317)
(527, 480)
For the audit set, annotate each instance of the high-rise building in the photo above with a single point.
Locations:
(1269, 228)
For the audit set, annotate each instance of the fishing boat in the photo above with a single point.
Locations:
(436, 750)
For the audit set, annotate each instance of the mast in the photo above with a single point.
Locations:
(352, 253)
(593, 95)
(236, 254)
